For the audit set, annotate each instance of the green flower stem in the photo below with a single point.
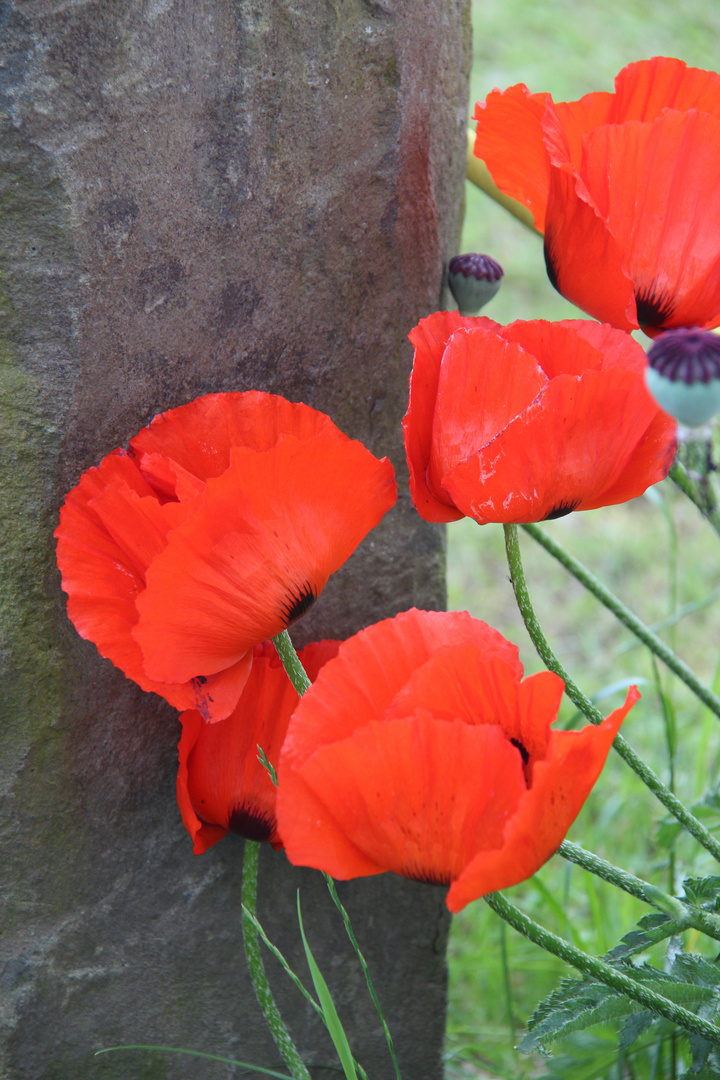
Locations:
(682, 479)
(600, 970)
(686, 916)
(626, 617)
(257, 970)
(648, 777)
(291, 662)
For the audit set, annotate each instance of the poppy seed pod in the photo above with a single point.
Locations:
(473, 281)
(683, 374)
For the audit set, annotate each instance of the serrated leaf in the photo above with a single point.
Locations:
(703, 892)
(652, 928)
(565, 1022)
(635, 1026)
(692, 968)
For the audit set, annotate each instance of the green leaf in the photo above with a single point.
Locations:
(332, 1020)
(635, 1026)
(703, 892)
(652, 928)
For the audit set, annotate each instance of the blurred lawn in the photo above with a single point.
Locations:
(655, 553)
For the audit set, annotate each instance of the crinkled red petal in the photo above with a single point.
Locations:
(565, 452)
(270, 531)
(429, 339)
(509, 140)
(484, 383)
(359, 686)
(220, 775)
(199, 436)
(418, 796)
(560, 785)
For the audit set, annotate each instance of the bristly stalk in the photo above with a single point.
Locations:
(256, 967)
(646, 774)
(626, 617)
(600, 970)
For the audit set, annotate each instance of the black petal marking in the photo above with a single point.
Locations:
(562, 510)
(297, 602)
(653, 310)
(428, 877)
(523, 752)
(550, 264)
(251, 823)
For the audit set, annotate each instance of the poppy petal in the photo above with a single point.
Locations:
(271, 530)
(560, 454)
(357, 687)
(221, 782)
(656, 186)
(578, 242)
(484, 383)
(429, 338)
(510, 141)
(199, 436)
(643, 90)
(103, 568)
(560, 786)
(395, 791)
(461, 682)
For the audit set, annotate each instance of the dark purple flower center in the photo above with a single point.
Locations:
(481, 267)
(689, 356)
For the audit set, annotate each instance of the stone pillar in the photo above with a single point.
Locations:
(200, 195)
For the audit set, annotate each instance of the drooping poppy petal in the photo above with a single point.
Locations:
(532, 421)
(221, 784)
(189, 490)
(624, 188)
(440, 756)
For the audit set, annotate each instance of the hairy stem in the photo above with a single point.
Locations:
(626, 617)
(600, 970)
(684, 914)
(646, 774)
(256, 967)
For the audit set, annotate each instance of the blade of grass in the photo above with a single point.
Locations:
(194, 1053)
(332, 1020)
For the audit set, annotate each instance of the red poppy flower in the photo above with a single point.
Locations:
(221, 784)
(529, 421)
(217, 529)
(420, 749)
(624, 187)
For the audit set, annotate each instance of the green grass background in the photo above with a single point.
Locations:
(656, 553)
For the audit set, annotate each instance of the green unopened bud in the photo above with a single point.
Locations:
(473, 281)
(683, 374)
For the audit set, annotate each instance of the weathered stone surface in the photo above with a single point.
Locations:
(200, 195)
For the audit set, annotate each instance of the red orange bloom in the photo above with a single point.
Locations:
(624, 187)
(217, 529)
(420, 749)
(221, 784)
(529, 421)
